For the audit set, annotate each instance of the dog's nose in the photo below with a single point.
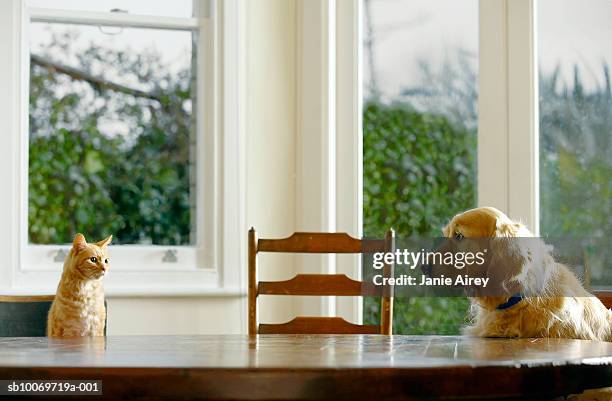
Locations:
(427, 268)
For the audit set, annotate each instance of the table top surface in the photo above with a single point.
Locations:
(343, 366)
(298, 351)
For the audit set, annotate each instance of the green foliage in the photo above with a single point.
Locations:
(68, 190)
(131, 177)
(419, 170)
(576, 166)
(442, 316)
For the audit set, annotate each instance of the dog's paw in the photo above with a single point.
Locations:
(598, 394)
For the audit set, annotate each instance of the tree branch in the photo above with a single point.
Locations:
(97, 82)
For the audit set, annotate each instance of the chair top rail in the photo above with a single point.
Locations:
(26, 298)
(307, 242)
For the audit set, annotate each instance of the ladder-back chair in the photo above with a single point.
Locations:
(317, 284)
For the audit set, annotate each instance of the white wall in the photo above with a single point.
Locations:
(174, 315)
(270, 150)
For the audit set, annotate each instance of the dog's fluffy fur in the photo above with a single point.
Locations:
(564, 308)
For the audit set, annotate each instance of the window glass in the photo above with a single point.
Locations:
(111, 134)
(420, 61)
(175, 8)
(575, 54)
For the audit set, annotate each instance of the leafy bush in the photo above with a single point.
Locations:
(419, 170)
(576, 167)
(133, 184)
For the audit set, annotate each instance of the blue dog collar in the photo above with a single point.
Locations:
(513, 300)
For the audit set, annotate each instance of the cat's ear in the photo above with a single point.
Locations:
(79, 243)
(105, 241)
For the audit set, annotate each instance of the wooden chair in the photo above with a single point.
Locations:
(605, 297)
(25, 316)
(317, 284)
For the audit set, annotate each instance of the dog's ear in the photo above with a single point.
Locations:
(507, 228)
(447, 230)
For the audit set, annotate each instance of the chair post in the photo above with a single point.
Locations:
(252, 291)
(386, 303)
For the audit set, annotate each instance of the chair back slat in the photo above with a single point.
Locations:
(319, 284)
(318, 325)
(370, 245)
(312, 284)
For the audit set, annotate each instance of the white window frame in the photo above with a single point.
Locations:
(214, 264)
(330, 104)
(329, 141)
(508, 122)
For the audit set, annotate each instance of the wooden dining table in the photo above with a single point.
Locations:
(315, 367)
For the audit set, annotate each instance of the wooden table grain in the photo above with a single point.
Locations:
(316, 367)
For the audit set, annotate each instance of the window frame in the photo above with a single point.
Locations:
(508, 116)
(507, 175)
(508, 110)
(214, 263)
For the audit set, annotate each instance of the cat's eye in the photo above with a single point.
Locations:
(458, 236)
(93, 259)
(106, 260)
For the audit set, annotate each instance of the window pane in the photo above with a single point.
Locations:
(420, 61)
(174, 8)
(576, 127)
(110, 134)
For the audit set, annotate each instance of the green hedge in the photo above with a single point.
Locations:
(419, 170)
(134, 184)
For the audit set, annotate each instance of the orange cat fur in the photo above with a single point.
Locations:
(78, 309)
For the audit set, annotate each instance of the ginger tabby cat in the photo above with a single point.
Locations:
(78, 309)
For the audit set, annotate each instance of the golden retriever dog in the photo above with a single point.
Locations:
(549, 300)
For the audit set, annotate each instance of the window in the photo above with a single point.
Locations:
(117, 127)
(420, 123)
(543, 154)
(576, 128)
(111, 132)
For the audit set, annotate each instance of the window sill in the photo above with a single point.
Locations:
(141, 292)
